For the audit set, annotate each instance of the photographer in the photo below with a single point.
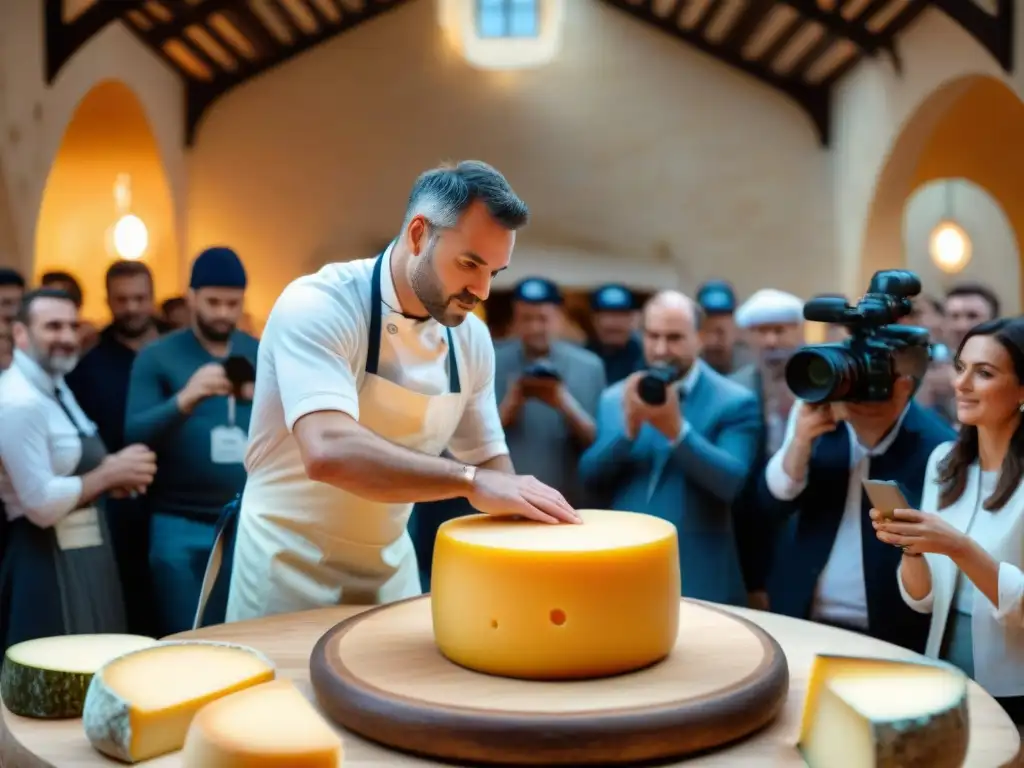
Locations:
(547, 390)
(678, 441)
(855, 420)
(189, 399)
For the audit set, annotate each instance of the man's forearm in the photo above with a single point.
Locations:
(355, 459)
(581, 425)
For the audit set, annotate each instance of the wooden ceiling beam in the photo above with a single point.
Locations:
(814, 100)
(994, 31)
(202, 95)
(63, 39)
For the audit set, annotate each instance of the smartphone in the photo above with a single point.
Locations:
(885, 496)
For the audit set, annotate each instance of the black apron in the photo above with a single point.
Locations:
(46, 590)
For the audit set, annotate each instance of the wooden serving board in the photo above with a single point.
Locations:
(381, 675)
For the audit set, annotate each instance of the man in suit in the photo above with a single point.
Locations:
(685, 460)
(829, 565)
(773, 322)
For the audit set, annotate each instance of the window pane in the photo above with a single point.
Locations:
(490, 20)
(523, 22)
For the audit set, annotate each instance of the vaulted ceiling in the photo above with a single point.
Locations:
(799, 47)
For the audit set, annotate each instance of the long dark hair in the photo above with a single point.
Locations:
(953, 469)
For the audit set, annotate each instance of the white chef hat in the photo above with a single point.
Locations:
(770, 307)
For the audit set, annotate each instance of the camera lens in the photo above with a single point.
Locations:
(821, 374)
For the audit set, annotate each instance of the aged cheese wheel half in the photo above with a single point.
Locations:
(884, 713)
(538, 601)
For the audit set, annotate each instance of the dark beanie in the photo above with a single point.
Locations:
(11, 277)
(217, 267)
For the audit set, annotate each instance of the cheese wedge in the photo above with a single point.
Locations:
(267, 726)
(49, 677)
(517, 598)
(881, 713)
(140, 705)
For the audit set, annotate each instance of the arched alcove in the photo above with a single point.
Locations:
(108, 135)
(969, 128)
(996, 252)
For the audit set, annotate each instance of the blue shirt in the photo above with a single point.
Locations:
(187, 481)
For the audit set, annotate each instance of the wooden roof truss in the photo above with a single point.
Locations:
(799, 47)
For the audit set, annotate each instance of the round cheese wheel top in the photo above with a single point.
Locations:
(601, 530)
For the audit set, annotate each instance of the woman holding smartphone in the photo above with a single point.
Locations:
(963, 554)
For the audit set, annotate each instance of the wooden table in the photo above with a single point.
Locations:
(288, 640)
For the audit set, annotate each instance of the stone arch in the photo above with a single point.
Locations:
(968, 128)
(108, 134)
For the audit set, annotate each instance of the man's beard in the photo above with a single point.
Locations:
(132, 327)
(211, 333)
(430, 292)
(59, 363)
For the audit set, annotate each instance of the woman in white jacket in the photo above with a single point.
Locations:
(963, 555)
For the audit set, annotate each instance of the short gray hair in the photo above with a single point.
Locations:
(443, 194)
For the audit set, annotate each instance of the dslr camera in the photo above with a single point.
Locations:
(541, 369)
(653, 387)
(862, 368)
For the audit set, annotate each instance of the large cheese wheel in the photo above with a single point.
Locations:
(49, 677)
(267, 726)
(539, 601)
(881, 713)
(141, 704)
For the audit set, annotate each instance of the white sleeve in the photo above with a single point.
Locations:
(25, 454)
(312, 343)
(479, 436)
(781, 485)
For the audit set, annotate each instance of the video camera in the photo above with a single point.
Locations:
(862, 368)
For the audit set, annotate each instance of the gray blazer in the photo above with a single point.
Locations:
(692, 484)
(539, 442)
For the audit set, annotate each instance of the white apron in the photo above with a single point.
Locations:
(303, 544)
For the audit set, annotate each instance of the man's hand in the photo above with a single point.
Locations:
(131, 468)
(208, 381)
(503, 495)
(667, 418)
(549, 391)
(813, 421)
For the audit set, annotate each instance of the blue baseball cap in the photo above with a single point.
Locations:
(612, 298)
(537, 290)
(716, 297)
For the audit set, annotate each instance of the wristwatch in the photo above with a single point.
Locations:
(468, 473)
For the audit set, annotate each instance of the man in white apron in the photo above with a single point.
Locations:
(369, 370)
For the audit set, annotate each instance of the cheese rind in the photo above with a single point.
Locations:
(140, 705)
(49, 677)
(884, 713)
(271, 725)
(516, 598)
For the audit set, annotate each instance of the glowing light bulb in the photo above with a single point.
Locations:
(950, 247)
(131, 238)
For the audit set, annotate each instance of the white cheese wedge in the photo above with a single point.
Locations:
(267, 726)
(141, 704)
(49, 677)
(881, 713)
